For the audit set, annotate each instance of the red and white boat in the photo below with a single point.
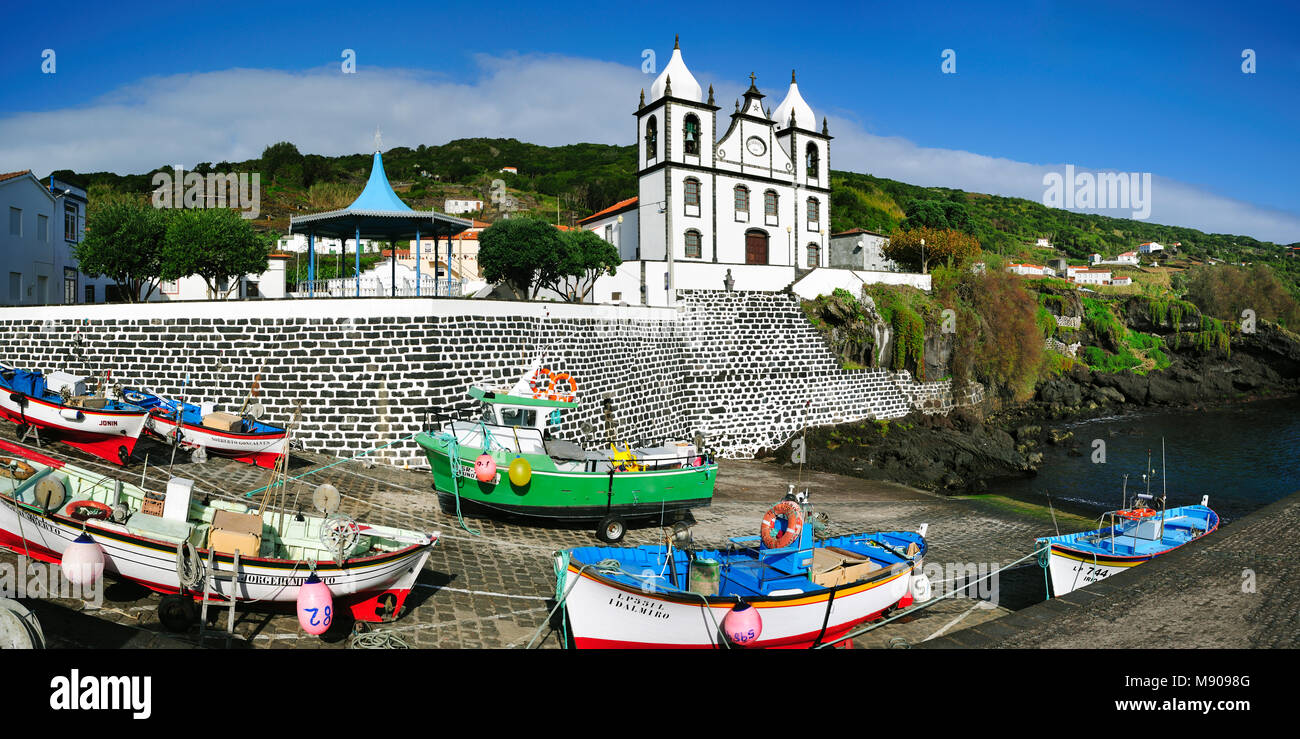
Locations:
(782, 587)
(58, 407)
(155, 539)
(241, 437)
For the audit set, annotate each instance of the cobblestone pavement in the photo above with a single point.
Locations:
(495, 588)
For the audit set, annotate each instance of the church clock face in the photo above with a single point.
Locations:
(756, 146)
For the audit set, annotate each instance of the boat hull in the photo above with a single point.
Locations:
(561, 496)
(607, 615)
(103, 433)
(261, 449)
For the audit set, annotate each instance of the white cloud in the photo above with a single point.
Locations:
(232, 115)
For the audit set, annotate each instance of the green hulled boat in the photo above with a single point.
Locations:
(559, 481)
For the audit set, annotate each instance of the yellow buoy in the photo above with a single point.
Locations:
(520, 472)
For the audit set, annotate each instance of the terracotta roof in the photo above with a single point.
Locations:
(858, 231)
(616, 207)
(11, 175)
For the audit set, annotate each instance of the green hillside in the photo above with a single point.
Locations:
(565, 183)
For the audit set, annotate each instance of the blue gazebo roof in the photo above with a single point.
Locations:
(378, 214)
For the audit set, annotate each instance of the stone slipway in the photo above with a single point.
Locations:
(1197, 597)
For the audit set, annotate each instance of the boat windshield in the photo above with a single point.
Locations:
(521, 417)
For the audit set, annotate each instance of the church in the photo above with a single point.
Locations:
(734, 209)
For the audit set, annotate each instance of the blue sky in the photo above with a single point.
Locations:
(1100, 85)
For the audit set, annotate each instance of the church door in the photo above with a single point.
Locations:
(755, 247)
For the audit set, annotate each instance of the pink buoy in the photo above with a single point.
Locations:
(315, 606)
(485, 467)
(699, 461)
(742, 624)
(83, 561)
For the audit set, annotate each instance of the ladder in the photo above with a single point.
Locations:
(232, 576)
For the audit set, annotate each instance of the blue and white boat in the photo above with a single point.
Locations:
(780, 589)
(239, 436)
(1141, 530)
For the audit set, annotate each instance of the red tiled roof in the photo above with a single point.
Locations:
(11, 175)
(616, 207)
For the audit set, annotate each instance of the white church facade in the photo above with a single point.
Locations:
(738, 204)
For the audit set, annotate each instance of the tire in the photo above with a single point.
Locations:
(123, 455)
(611, 529)
(176, 613)
(21, 430)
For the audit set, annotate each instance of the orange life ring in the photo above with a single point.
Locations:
(1136, 513)
(553, 394)
(537, 383)
(793, 515)
(76, 510)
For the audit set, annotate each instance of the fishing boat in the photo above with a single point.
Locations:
(185, 546)
(239, 436)
(1137, 532)
(507, 461)
(60, 406)
(783, 588)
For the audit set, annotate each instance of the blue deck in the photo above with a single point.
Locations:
(1145, 537)
(746, 571)
(33, 385)
(191, 415)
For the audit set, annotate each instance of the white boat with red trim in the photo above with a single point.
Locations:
(238, 436)
(60, 407)
(175, 542)
(780, 589)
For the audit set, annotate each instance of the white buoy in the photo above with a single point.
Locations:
(920, 588)
(83, 561)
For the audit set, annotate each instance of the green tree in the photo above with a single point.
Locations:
(523, 253)
(215, 244)
(124, 241)
(583, 258)
(282, 162)
(954, 247)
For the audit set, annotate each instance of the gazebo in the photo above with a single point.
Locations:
(377, 214)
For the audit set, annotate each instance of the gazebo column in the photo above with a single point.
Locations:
(392, 288)
(436, 241)
(417, 261)
(358, 244)
(311, 264)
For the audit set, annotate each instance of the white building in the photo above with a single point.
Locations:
(1027, 269)
(1150, 247)
(269, 284)
(1043, 243)
(297, 243)
(1092, 277)
(460, 254)
(455, 207)
(712, 205)
(43, 221)
(859, 248)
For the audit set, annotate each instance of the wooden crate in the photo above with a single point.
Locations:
(832, 567)
(231, 531)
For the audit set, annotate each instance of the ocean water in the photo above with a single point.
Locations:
(1243, 456)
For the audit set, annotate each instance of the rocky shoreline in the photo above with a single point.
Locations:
(966, 450)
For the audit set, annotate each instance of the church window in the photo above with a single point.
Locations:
(693, 250)
(770, 209)
(814, 161)
(742, 200)
(814, 213)
(691, 130)
(651, 138)
(692, 192)
(814, 255)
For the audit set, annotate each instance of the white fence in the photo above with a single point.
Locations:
(374, 287)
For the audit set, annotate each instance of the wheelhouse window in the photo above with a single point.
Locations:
(691, 135)
(693, 249)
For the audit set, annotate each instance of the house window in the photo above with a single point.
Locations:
(814, 213)
(69, 222)
(693, 250)
(609, 232)
(742, 203)
(15, 221)
(42, 228)
(250, 290)
(814, 161)
(651, 137)
(691, 130)
(69, 285)
(90, 293)
(692, 196)
(169, 287)
(814, 255)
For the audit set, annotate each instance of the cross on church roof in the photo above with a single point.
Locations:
(379, 142)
